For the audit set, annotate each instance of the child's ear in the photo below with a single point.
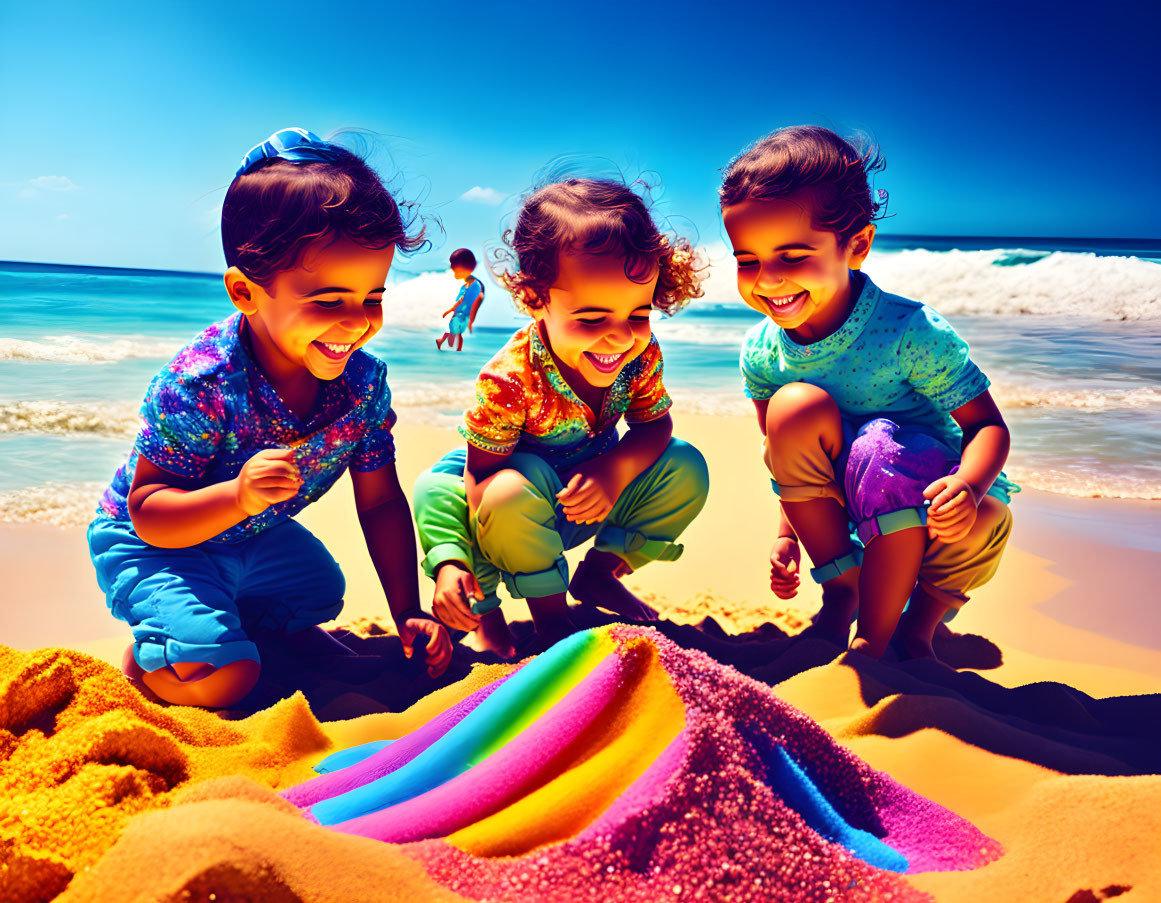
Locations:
(860, 246)
(241, 290)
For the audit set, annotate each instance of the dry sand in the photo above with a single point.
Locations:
(1027, 749)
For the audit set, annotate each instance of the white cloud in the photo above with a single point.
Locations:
(480, 195)
(52, 183)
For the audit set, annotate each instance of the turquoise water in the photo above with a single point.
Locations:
(1079, 377)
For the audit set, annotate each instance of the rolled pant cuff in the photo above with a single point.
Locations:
(836, 567)
(891, 522)
(806, 493)
(490, 602)
(446, 551)
(636, 549)
(953, 599)
(549, 582)
(153, 653)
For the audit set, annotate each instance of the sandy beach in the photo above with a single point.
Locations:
(1043, 739)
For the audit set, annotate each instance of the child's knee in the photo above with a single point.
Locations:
(995, 518)
(801, 407)
(201, 684)
(507, 493)
(689, 468)
(801, 416)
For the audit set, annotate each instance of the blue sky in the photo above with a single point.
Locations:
(123, 122)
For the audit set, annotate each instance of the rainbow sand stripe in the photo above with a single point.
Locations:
(617, 757)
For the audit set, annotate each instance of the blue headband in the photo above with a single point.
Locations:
(293, 144)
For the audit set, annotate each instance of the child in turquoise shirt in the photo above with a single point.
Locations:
(873, 412)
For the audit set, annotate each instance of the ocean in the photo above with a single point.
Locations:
(1069, 331)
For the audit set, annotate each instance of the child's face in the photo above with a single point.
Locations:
(787, 269)
(597, 318)
(461, 273)
(314, 316)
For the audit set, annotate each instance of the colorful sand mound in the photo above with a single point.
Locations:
(620, 759)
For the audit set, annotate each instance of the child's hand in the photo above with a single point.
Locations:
(953, 508)
(455, 588)
(585, 498)
(785, 564)
(439, 647)
(270, 477)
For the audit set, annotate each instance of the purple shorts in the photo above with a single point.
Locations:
(887, 468)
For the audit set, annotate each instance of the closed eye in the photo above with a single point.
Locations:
(793, 260)
(327, 303)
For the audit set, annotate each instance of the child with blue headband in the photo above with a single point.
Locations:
(194, 542)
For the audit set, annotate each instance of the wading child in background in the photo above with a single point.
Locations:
(870, 406)
(468, 301)
(544, 470)
(256, 418)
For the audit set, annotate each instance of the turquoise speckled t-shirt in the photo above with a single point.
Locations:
(892, 358)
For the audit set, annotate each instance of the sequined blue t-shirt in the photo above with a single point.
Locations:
(892, 358)
(211, 409)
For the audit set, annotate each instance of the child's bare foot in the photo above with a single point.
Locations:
(549, 633)
(912, 645)
(833, 620)
(493, 635)
(597, 582)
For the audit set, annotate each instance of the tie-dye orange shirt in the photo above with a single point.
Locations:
(523, 404)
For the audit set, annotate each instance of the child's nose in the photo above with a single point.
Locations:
(769, 277)
(620, 333)
(355, 317)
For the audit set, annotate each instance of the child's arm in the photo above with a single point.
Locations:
(786, 554)
(174, 512)
(595, 486)
(385, 518)
(956, 498)
(475, 309)
(761, 405)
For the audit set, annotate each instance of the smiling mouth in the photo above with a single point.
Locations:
(334, 350)
(784, 304)
(606, 363)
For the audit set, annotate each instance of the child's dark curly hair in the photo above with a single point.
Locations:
(274, 210)
(593, 216)
(812, 159)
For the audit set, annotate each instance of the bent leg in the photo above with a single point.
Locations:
(517, 529)
(201, 684)
(888, 467)
(646, 520)
(950, 570)
(179, 603)
(440, 504)
(803, 451)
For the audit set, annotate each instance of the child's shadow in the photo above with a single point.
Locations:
(378, 678)
(1050, 724)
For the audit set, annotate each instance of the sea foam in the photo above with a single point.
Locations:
(89, 349)
(1062, 283)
